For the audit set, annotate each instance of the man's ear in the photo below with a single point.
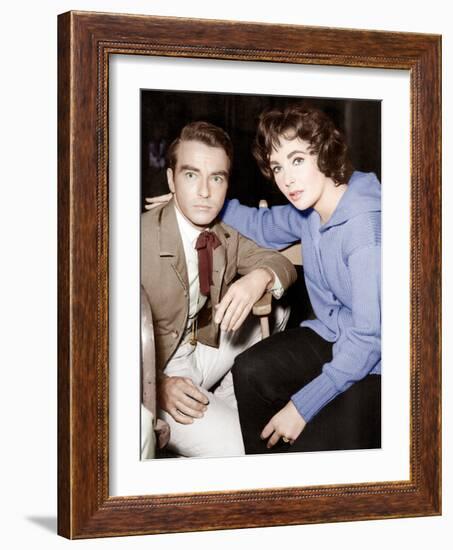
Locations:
(170, 181)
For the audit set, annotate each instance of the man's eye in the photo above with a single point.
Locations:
(217, 179)
(190, 175)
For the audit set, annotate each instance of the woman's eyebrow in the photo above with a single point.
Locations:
(290, 155)
(296, 152)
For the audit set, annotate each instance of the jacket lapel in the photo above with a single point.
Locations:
(170, 243)
(219, 260)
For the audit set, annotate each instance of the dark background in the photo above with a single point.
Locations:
(164, 113)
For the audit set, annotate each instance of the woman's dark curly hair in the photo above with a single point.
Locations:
(310, 125)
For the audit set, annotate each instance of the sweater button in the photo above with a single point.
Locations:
(330, 313)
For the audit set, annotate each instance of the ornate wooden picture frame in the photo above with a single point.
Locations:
(85, 507)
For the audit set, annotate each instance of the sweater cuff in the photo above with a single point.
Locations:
(314, 396)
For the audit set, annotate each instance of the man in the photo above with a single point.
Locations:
(189, 263)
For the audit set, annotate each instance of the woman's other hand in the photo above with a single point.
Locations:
(287, 424)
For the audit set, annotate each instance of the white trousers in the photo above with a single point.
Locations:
(218, 433)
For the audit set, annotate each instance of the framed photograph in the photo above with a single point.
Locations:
(128, 85)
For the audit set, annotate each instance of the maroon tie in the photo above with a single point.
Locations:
(207, 242)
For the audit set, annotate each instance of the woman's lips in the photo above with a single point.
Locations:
(295, 195)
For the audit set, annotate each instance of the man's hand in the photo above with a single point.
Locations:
(181, 398)
(234, 307)
(152, 202)
(287, 424)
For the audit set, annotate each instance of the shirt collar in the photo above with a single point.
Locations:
(188, 231)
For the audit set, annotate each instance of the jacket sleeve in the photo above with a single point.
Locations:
(358, 350)
(275, 227)
(250, 256)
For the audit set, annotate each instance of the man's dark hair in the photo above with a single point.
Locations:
(206, 133)
(310, 125)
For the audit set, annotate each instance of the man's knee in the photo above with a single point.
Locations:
(218, 433)
(224, 445)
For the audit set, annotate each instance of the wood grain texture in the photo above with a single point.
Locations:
(85, 42)
(64, 370)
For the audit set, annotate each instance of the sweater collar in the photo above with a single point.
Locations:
(362, 195)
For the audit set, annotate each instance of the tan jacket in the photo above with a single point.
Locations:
(164, 277)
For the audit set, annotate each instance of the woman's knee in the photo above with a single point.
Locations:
(249, 365)
(255, 375)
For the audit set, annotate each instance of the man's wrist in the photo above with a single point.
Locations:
(270, 276)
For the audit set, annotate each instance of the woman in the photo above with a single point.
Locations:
(315, 387)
